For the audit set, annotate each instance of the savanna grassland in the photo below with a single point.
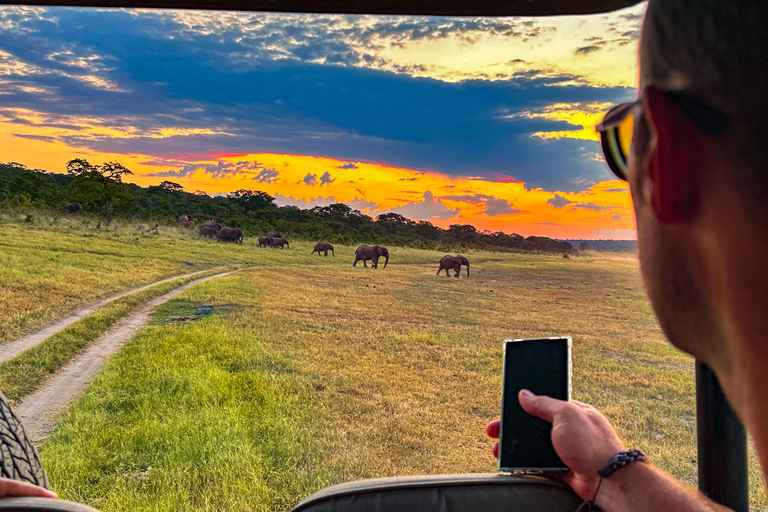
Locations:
(312, 372)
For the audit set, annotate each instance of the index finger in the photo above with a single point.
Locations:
(542, 407)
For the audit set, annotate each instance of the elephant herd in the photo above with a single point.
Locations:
(274, 240)
(211, 229)
(364, 253)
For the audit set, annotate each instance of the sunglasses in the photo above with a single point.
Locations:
(618, 125)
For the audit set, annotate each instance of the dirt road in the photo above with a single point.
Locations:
(16, 347)
(39, 411)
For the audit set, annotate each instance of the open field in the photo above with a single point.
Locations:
(313, 372)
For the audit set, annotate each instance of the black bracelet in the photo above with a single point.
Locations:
(622, 459)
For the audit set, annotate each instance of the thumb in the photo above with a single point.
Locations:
(542, 407)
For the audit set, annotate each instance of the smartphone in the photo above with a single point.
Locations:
(543, 366)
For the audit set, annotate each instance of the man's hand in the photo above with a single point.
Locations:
(582, 437)
(14, 488)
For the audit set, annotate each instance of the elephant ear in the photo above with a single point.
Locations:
(381, 250)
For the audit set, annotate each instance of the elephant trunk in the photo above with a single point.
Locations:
(467, 269)
(386, 260)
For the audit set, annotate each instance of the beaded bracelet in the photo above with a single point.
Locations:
(622, 459)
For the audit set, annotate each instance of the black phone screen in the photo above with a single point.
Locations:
(542, 366)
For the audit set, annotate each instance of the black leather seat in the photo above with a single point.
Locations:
(481, 492)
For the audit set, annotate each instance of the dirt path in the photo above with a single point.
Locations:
(39, 335)
(39, 411)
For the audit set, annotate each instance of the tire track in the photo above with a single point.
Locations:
(40, 410)
(39, 335)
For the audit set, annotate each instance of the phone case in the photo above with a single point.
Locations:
(567, 342)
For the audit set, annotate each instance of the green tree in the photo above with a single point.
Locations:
(171, 186)
(99, 182)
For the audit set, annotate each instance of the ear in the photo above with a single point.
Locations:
(675, 159)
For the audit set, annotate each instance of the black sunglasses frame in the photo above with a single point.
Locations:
(707, 119)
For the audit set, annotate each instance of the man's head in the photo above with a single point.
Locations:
(695, 191)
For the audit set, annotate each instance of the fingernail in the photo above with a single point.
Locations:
(526, 393)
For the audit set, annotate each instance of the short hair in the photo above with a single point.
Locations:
(717, 50)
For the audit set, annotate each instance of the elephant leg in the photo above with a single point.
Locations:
(457, 269)
(438, 271)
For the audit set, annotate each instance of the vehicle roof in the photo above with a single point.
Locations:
(413, 7)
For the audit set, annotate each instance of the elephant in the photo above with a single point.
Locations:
(207, 231)
(280, 241)
(275, 234)
(73, 207)
(183, 218)
(367, 252)
(227, 234)
(189, 224)
(214, 224)
(323, 246)
(266, 241)
(454, 262)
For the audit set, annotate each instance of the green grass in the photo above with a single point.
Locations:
(191, 417)
(24, 373)
(314, 372)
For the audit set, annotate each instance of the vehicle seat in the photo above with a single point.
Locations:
(480, 492)
(42, 505)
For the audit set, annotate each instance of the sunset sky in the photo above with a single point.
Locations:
(483, 121)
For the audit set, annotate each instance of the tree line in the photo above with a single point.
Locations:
(100, 190)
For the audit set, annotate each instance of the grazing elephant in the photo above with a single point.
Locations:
(227, 234)
(323, 246)
(280, 241)
(367, 252)
(266, 241)
(73, 207)
(207, 231)
(454, 262)
(183, 218)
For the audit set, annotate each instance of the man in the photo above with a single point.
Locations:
(698, 173)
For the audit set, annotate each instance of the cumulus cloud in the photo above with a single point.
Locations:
(428, 209)
(356, 204)
(310, 180)
(559, 201)
(281, 200)
(217, 170)
(326, 179)
(591, 206)
(269, 175)
(493, 205)
(348, 165)
(585, 50)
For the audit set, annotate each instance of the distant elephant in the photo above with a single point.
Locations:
(323, 246)
(227, 234)
(367, 252)
(454, 262)
(183, 218)
(214, 224)
(189, 224)
(207, 231)
(266, 241)
(73, 207)
(275, 234)
(280, 241)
